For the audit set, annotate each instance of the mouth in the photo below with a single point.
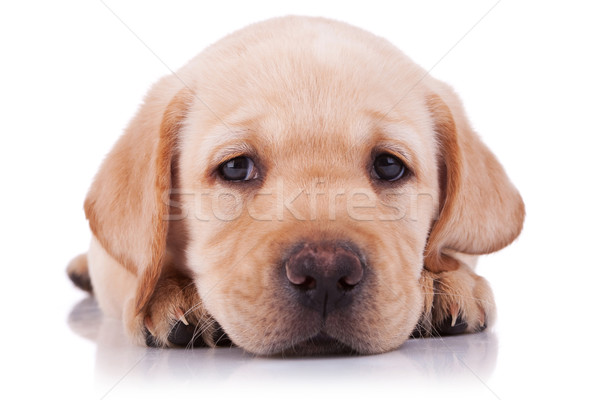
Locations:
(320, 344)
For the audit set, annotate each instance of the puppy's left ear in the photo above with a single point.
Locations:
(480, 210)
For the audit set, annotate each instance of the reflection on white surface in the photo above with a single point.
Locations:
(124, 367)
(528, 76)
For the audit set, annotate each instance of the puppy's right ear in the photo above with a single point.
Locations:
(126, 205)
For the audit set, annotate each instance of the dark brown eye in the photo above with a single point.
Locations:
(388, 167)
(238, 169)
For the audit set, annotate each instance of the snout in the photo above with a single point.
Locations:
(327, 295)
(324, 276)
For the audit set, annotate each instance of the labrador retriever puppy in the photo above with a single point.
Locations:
(301, 187)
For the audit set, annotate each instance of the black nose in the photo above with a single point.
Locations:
(324, 276)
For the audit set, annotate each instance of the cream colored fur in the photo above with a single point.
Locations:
(312, 99)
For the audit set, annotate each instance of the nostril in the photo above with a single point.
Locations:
(307, 284)
(344, 284)
(351, 272)
(300, 279)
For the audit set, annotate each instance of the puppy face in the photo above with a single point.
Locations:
(313, 182)
(317, 171)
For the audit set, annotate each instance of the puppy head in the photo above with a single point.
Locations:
(318, 171)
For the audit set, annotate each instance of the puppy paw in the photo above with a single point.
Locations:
(175, 317)
(455, 302)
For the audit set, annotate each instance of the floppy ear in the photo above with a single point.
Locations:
(126, 205)
(481, 211)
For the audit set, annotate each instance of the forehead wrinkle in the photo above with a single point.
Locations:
(326, 135)
(317, 149)
(223, 140)
(203, 146)
(230, 149)
(405, 140)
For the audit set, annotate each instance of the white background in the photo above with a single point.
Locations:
(73, 74)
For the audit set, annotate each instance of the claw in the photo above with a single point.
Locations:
(149, 327)
(454, 317)
(482, 319)
(181, 316)
(454, 314)
(149, 324)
